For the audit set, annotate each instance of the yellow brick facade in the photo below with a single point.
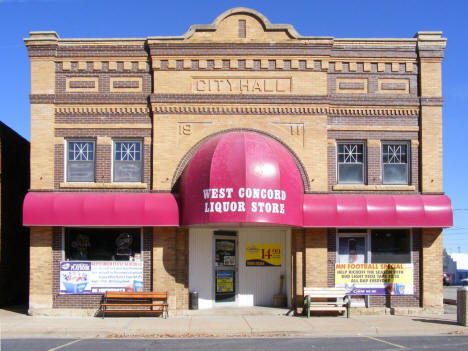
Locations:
(432, 289)
(40, 282)
(306, 92)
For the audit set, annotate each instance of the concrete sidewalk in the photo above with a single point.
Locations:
(18, 325)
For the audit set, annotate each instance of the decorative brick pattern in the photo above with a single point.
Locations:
(104, 154)
(174, 93)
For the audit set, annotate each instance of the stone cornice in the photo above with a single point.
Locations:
(298, 100)
(98, 110)
(283, 110)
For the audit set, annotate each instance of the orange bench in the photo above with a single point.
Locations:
(134, 302)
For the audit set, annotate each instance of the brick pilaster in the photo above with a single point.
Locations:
(431, 270)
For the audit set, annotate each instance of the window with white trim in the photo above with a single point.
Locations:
(80, 161)
(128, 165)
(351, 162)
(395, 163)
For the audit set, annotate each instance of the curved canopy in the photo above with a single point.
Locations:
(241, 177)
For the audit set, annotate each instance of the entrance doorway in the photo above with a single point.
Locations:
(225, 266)
(352, 248)
(225, 270)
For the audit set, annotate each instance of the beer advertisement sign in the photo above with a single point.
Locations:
(375, 278)
(261, 255)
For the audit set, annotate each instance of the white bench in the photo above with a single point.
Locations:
(326, 299)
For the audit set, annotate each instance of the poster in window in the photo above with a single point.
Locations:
(263, 255)
(95, 277)
(225, 281)
(375, 278)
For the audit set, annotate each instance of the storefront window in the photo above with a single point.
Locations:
(102, 244)
(390, 246)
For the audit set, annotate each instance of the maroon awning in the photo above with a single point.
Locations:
(241, 178)
(377, 211)
(100, 209)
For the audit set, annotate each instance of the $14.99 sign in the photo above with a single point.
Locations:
(261, 255)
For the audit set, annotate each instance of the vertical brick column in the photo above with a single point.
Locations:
(170, 255)
(431, 270)
(374, 172)
(297, 254)
(42, 53)
(316, 257)
(431, 52)
(40, 276)
(182, 268)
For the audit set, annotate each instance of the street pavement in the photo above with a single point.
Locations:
(362, 343)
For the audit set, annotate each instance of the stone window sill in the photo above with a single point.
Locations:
(358, 187)
(90, 185)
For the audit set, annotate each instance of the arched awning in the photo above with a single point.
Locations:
(241, 177)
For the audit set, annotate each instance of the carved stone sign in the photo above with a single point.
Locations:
(236, 85)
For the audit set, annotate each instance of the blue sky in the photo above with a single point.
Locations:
(348, 19)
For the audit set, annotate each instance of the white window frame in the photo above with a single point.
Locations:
(408, 160)
(364, 160)
(66, 159)
(114, 153)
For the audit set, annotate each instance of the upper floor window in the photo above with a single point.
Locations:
(80, 161)
(128, 161)
(395, 163)
(351, 161)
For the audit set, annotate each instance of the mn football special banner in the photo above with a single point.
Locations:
(375, 278)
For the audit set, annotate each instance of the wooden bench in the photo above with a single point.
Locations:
(134, 302)
(326, 299)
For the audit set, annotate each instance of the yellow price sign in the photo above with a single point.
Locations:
(261, 255)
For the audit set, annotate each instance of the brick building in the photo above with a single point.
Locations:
(14, 238)
(223, 159)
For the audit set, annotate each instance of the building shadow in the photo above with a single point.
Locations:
(435, 321)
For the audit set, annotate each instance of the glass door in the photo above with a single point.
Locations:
(225, 266)
(352, 248)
